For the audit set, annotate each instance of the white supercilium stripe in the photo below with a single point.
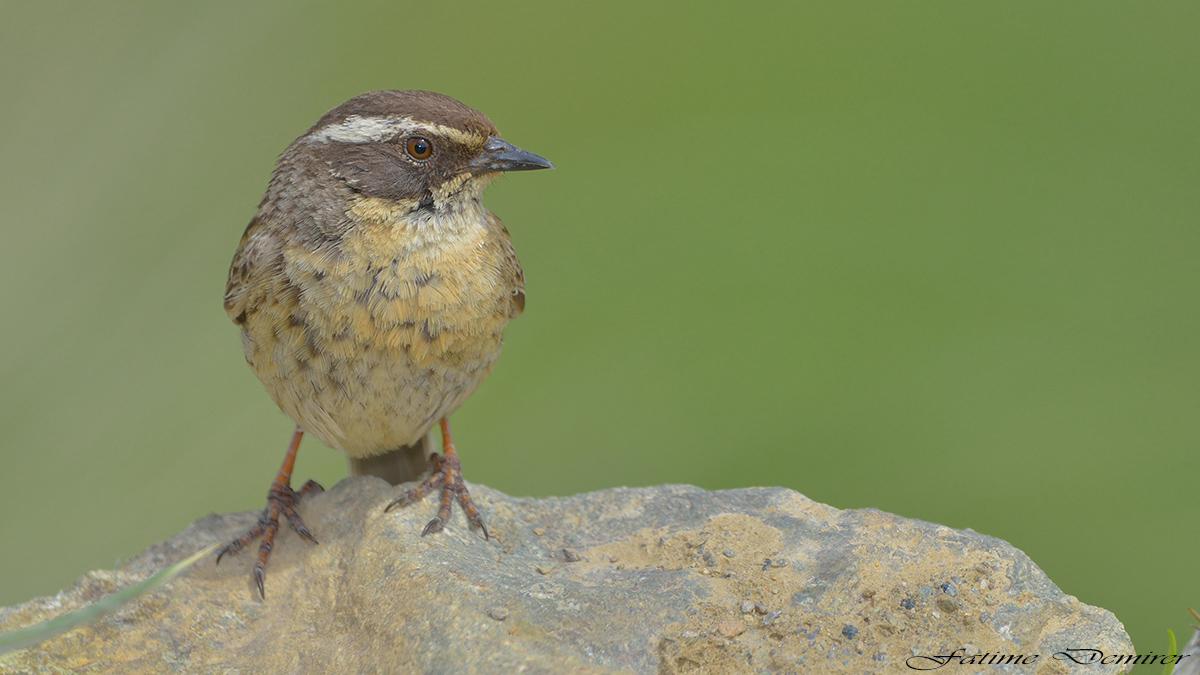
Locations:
(355, 129)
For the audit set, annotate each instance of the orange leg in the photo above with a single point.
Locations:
(447, 474)
(281, 500)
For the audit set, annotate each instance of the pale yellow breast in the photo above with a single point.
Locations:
(369, 345)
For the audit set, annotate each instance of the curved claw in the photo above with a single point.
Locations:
(230, 549)
(436, 525)
(401, 501)
(260, 575)
(301, 530)
(298, 525)
(234, 547)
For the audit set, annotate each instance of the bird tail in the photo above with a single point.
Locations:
(401, 465)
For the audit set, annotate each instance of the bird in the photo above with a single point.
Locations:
(372, 288)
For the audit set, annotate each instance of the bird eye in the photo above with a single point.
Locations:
(418, 148)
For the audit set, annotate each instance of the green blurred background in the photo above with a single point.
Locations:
(938, 258)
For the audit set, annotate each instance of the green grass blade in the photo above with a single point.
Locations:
(1171, 652)
(34, 634)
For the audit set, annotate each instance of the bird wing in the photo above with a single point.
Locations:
(514, 277)
(259, 247)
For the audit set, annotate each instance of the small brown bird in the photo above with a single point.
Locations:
(372, 288)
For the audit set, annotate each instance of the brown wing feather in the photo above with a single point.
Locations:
(243, 289)
(512, 267)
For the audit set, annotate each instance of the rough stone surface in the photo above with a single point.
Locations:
(669, 579)
(1189, 664)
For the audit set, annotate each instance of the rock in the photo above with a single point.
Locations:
(375, 596)
(731, 628)
(1188, 662)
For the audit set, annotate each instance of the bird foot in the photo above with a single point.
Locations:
(281, 500)
(447, 474)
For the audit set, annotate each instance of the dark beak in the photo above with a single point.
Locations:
(500, 155)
